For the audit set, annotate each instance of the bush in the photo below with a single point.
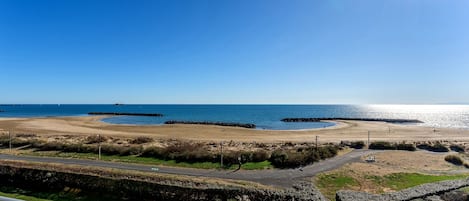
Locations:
(457, 148)
(380, 145)
(466, 165)
(435, 148)
(357, 145)
(155, 152)
(26, 135)
(121, 150)
(142, 140)
(94, 139)
(259, 156)
(278, 158)
(454, 159)
(407, 147)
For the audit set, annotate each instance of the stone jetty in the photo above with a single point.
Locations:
(213, 123)
(351, 119)
(126, 114)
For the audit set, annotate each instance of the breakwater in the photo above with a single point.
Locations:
(126, 114)
(213, 123)
(351, 119)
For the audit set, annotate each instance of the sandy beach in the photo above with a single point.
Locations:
(344, 130)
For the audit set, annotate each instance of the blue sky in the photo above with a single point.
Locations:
(244, 51)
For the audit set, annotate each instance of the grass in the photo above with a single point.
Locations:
(64, 195)
(399, 181)
(22, 197)
(330, 183)
(149, 160)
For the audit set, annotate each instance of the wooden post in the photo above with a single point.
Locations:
(316, 143)
(99, 147)
(368, 139)
(221, 155)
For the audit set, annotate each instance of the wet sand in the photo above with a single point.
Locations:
(344, 130)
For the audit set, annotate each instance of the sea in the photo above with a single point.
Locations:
(263, 116)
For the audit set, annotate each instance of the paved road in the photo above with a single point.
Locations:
(277, 177)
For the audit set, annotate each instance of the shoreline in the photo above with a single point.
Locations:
(342, 131)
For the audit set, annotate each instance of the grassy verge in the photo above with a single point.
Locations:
(22, 197)
(399, 181)
(330, 183)
(148, 160)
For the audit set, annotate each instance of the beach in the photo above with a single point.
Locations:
(342, 131)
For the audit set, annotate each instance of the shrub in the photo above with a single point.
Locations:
(259, 156)
(278, 158)
(327, 152)
(438, 147)
(94, 139)
(457, 148)
(26, 135)
(155, 152)
(407, 147)
(50, 146)
(454, 159)
(466, 165)
(357, 144)
(380, 145)
(142, 140)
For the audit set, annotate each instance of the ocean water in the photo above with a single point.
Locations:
(264, 116)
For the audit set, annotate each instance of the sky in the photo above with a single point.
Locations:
(234, 51)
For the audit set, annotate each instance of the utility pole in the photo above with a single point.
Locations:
(9, 136)
(316, 143)
(221, 155)
(99, 147)
(368, 138)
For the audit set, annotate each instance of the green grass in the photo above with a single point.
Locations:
(331, 183)
(399, 181)
(22, 197)
(67, 194)
(151, 161)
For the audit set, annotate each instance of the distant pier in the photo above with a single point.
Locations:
(351, 119)
(126, 114)
(213, 123)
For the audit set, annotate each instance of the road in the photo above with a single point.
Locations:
(276, 177)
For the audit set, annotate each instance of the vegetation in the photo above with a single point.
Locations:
(301, 157)
(437, 147)
(142, 140)
(50, 195)
(329, 183)
(381, 145)
(454, 159)
(457, 148)
(357, 144)
(407, 147)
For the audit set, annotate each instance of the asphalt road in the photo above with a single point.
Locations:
(276, 177)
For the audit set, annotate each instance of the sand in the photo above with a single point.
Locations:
(344, 130)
